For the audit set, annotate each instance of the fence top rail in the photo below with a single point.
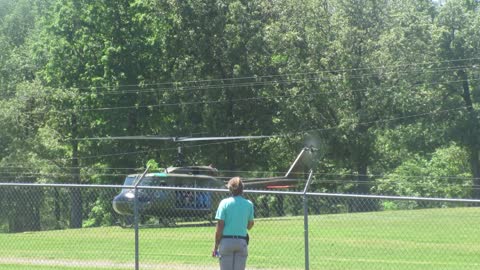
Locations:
(297, 193)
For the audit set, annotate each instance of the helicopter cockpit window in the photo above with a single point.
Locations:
(128, 182)
(147, 181)
(153, 181)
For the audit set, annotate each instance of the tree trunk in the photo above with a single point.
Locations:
(362, 179)
(57, 210)
(475, 167)
(362, 187)
(471, 134)
(25, 210)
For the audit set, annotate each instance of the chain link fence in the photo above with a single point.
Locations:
(77, 227)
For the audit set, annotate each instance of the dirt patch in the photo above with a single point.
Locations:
(99, 264)
(111, 265)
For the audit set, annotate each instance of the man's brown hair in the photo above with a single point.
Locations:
(235, 185)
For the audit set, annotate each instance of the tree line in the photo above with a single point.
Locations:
(386, 90)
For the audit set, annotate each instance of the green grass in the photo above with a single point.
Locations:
(37, 267)
(420, 239)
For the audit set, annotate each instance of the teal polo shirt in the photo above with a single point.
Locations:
(236, 212)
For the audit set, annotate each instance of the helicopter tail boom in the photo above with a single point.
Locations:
(292, 177)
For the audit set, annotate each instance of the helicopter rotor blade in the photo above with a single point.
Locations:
(175, 139)
(188, 139)
(125, 138)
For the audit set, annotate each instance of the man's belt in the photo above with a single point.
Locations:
(234, 236)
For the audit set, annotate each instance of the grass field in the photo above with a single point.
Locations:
(419, 239)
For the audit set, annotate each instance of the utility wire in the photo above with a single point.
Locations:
(252, 84)
(246, 99)
(251, 99)
(180, 88)
(288, 74)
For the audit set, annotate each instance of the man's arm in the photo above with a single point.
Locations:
(218, 234)
(250, 224)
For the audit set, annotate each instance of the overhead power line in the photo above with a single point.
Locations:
(237, 100)
(248, 99)
(233, 79)
(279, 79)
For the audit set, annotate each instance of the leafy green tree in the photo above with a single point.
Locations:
(456, 38)
(445, 175)
(17, 26)
(329, 49)
(21, 119)
(227, 58)
(103, 54)
(407, 95)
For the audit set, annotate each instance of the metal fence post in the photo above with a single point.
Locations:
(135, 222)
(305, 220)
(136, 217)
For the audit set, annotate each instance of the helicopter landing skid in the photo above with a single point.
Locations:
(167, 222)
(125, 222)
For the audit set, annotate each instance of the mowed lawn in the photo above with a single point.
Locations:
(418, 239)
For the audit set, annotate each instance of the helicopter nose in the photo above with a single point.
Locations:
(123, 203)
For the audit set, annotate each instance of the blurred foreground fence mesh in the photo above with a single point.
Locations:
(76, 227)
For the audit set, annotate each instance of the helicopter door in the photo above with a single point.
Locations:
(202, 199)
(187, 199)
(181, 197)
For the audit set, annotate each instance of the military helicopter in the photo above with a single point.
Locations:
(186, 203)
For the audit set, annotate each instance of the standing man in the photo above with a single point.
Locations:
(235, 217)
